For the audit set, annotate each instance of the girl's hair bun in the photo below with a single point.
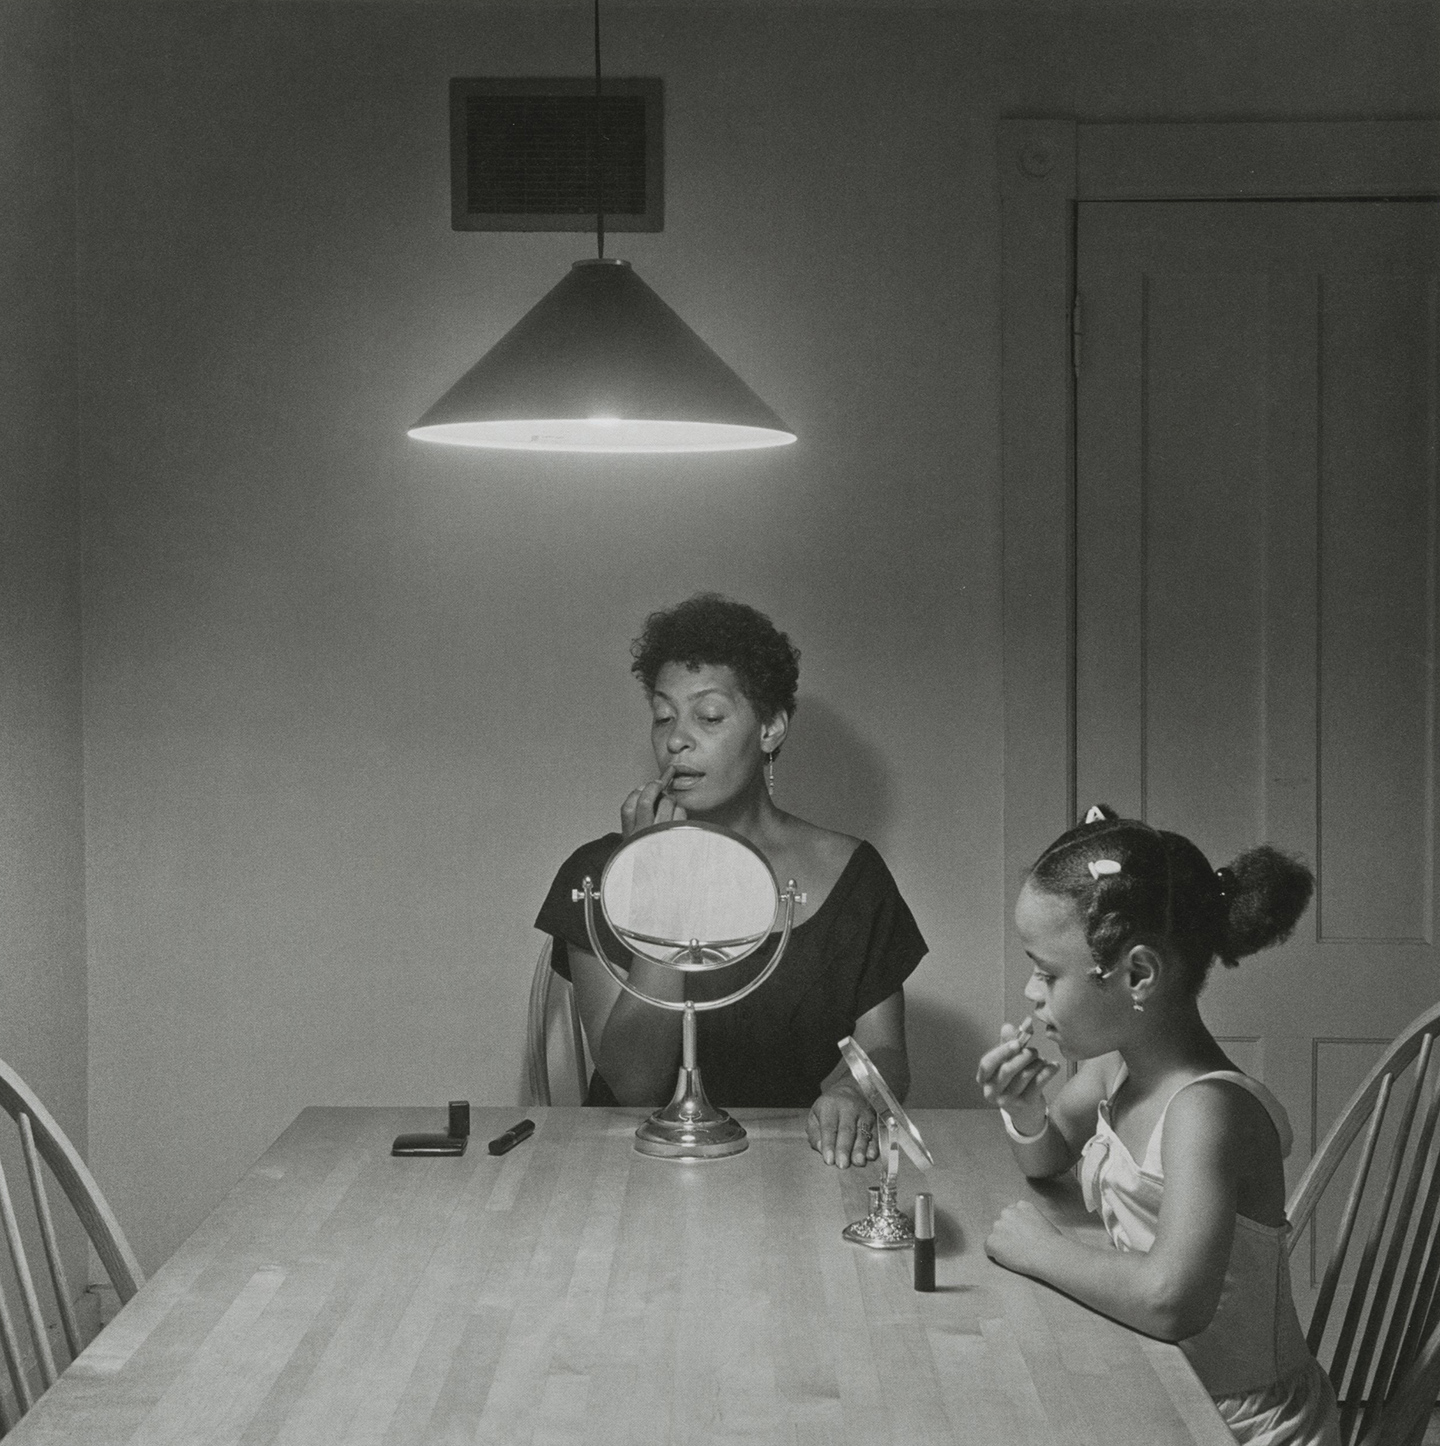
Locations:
(1266, 892)
(1131, 882)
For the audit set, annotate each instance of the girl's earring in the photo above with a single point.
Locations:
(770, 774)
(1136, 1005)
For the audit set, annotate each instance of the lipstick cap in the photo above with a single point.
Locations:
(924, 1218)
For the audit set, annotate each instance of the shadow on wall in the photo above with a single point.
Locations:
(829, 775)
(833, 776)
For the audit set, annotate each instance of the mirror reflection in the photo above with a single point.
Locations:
(677, 884)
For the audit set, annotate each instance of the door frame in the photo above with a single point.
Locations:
(1046, 167)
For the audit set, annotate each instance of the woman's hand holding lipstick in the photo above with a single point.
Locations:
(1013, 1076)
(650, 804)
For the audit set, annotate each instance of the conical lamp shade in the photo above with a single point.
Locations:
(601, 364)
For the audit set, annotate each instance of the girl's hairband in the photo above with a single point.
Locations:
(1099, 868)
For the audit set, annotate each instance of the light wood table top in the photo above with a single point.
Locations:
(575, 1291)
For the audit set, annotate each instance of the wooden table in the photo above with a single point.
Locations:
(575, 1291)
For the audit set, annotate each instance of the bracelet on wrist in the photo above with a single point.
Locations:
(1025, 1139)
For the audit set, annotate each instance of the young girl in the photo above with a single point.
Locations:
(1180, 1153)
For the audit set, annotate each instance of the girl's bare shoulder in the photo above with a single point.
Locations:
(1222, 1111)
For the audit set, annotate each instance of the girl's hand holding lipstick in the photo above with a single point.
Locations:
(651, 804)
(1014, 1074)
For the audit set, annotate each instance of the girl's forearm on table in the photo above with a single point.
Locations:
(1129, 1286)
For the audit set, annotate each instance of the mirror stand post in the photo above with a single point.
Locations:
(886, 1227)
(690, 1127)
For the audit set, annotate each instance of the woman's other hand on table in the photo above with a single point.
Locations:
(841, 1128)
(650, 804)
(1018, 1237)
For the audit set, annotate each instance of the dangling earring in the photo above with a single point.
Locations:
(1136, 1005)
(770, 774)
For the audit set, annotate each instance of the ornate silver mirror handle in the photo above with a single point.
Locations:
(887, 1226)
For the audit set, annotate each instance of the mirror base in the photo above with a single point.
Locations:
(881, 1231)
(670, 1140)
(690, 1127)
(887, 1226)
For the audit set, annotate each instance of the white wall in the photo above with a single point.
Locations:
(42, 880)
(350, 699)
(42, 899)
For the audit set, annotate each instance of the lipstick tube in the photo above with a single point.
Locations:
(924, 1243)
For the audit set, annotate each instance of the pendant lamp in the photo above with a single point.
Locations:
(601, 364)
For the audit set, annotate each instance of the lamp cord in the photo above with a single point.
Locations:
(599, 149)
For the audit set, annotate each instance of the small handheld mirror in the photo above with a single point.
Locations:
(692, 897)
(886, 1227)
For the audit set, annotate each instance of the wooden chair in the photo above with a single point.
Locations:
(544, 986)
(1376, 1323)
(41, 1138)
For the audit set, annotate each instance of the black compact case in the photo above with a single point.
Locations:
(453, 1142)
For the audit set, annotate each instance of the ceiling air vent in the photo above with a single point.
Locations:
(522, 155)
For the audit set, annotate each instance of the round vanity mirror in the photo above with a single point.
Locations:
(693, 897)
(690, 895)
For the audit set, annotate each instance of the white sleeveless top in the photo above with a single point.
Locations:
(1255, 1338)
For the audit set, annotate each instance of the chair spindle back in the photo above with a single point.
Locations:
(44, 1145)
(1386, 1253)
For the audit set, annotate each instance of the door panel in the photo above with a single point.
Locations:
(1255, 588)
(1376, 608)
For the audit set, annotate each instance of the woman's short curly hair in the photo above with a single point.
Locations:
(715, 630)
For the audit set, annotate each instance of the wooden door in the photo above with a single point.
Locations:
(1256, 424)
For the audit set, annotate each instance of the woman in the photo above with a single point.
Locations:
(721, 684)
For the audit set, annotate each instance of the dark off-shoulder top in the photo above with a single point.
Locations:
(776, 1046)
